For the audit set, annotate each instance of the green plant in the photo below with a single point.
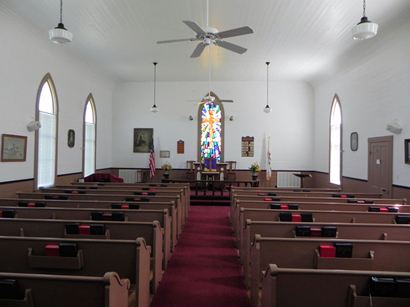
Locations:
(166, 166)
(255, 167)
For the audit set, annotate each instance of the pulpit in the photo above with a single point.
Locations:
(302, 176)
(230, 170)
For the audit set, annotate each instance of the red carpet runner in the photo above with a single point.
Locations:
(204, 269)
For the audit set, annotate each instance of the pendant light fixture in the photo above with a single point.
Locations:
(365, 29)
(154, 108)
(267, 108)
(60, 35)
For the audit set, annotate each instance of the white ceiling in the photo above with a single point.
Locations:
(303, 39)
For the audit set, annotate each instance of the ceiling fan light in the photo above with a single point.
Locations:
(60, 35)
(365, 29)
(267, 109)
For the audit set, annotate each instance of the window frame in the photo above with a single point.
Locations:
(90, 99)
(200, 107)
(49, 79)
(336, 100)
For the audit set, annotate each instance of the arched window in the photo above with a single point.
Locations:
(46, 136)
(211, 128)
(89, 135)
(335, 168)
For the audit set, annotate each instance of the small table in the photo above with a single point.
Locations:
(302, 176)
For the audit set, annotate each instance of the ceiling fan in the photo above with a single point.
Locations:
(211, 36)
(209, 98)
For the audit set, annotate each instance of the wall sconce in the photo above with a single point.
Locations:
(190, 117)
(231, 118)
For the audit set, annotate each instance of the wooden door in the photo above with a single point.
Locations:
(380, 162)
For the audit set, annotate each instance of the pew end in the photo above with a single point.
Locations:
(322, 288)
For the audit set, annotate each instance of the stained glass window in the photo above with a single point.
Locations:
(211, 131)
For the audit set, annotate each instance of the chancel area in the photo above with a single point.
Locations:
(195, 153)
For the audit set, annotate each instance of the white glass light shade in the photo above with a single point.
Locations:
(154, 109)
(267, 109)
(60, 35)
(365, 29)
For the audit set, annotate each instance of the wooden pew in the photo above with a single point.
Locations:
(113, 198)
(318, 216)
(179, 193)
(150, 231)
(289, 189)
(129, 258)
(85, 214)
(57, 290)
(318, 199)
(323, 288)
(105, 205)
(278, 193)
(311, 206)
(345, 231)
(170, 185)
(297, 200)
(301, 253)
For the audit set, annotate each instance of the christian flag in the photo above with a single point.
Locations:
(151, 162)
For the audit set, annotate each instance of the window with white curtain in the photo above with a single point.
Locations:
(89, 150)
(335, 142)
(47, 134)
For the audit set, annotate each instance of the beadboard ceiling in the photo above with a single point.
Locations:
(303, 39)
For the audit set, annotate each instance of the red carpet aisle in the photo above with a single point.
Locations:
(205, 269)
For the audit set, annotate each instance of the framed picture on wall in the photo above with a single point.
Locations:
(407, 151)
(143, 139)
(71, 138)
(164, 154)
(354, 141)
(13, 148)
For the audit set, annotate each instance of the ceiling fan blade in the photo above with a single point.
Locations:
(226, 100)
(231, 47)
(194, 27)
(198, 50)
(177, 40)
(235, 32)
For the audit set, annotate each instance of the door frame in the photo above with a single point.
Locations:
(388, 139)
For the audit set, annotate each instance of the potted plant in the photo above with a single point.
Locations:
(255, 168)
(166, 167)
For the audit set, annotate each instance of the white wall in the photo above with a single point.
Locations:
(374, 89)
(290, 124)
(25, 57)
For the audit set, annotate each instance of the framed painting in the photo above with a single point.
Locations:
(143, 139)
(13, 148)
(407, 151)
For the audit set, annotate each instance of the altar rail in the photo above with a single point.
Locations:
(214, 187)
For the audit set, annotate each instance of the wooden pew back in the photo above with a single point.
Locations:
(129, 258)
(57, 290)
(323, 288)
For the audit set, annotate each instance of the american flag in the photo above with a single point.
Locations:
(151, 163)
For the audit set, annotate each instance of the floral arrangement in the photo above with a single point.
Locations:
(255, 167)
(166, 166)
